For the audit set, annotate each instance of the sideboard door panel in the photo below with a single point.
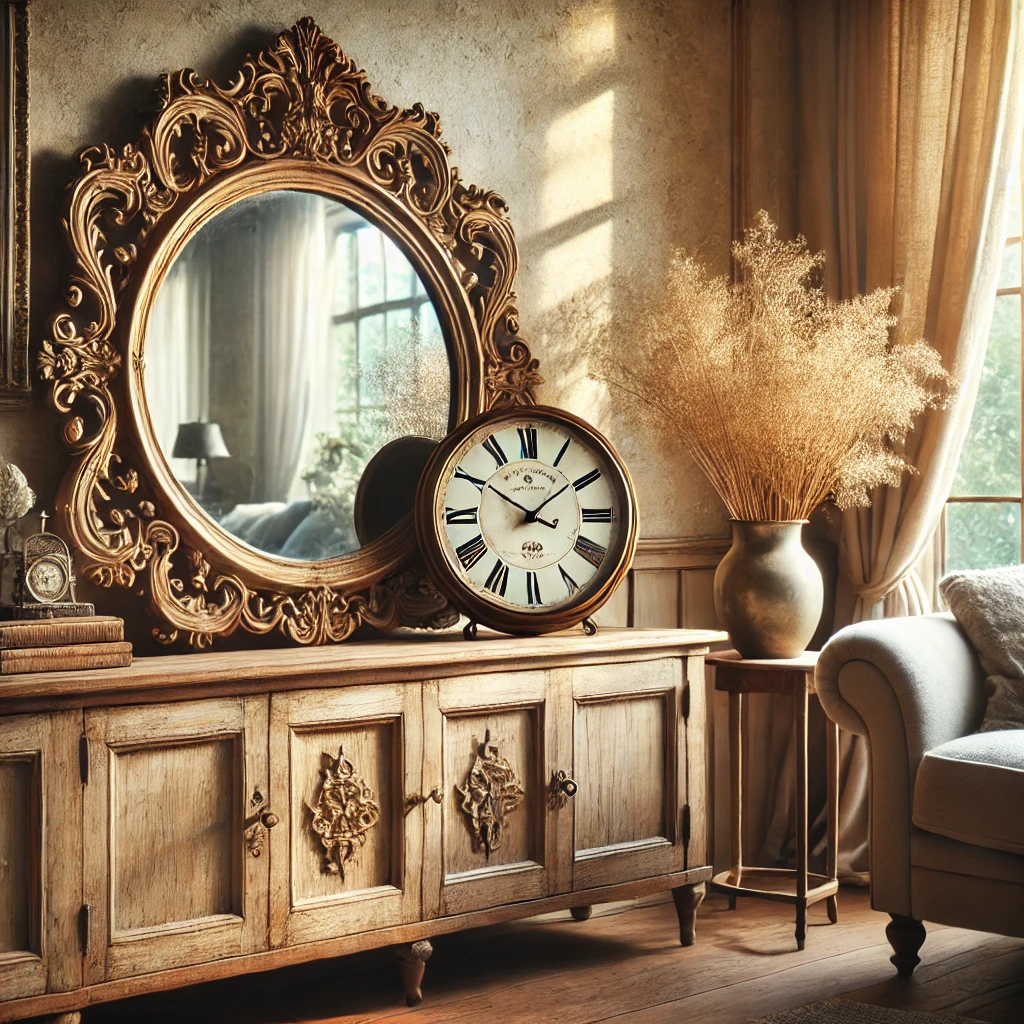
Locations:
(173, 874)
(346, 856)
(493, 744)
(629, 762)
(40, 851)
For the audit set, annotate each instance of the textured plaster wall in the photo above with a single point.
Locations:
(606, 126)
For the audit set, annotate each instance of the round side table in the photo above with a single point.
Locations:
(737, 676)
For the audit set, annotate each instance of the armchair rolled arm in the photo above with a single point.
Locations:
(928, 664)
(907, 685)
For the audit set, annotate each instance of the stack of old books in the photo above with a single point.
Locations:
(56, 645)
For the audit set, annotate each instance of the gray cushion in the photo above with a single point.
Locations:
(972, 789)
(989, 605)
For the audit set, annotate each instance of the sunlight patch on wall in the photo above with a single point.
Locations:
(575, 264)
(577, 302)
(579, 165)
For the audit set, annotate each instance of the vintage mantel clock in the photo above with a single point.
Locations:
(225, 265)
(40, 581)
(526, 519)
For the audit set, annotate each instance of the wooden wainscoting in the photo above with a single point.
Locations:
(670, 585)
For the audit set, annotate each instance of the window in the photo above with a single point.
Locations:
(381, 311)
(982, 525)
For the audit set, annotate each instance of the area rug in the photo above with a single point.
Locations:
(842, 1011)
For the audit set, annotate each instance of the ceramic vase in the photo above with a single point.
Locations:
(768, 590)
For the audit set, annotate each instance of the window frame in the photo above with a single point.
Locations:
(356, 313)
(987, 499)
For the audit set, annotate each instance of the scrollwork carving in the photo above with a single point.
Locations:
(344, 812)
(301, 100)
(490, 794)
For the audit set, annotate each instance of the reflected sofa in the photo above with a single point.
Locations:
(946, 802)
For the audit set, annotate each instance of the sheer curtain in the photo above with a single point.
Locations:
(177, 351)
(909, 115)
(293, 318)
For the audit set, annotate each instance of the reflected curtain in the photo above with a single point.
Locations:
(909, 113)
(293, 321)
(177, 351)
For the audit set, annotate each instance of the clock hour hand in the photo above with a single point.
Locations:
(531, 517)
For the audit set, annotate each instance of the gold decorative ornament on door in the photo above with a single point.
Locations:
(219, 179)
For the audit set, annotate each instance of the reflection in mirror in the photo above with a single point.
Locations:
(290, 340)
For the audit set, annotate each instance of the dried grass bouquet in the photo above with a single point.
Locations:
(783, 397)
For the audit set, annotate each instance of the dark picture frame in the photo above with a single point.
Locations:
(15, 382)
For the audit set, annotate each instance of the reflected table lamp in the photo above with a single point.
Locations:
(202, 442)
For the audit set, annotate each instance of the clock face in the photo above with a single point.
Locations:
(532, 513)
(47, 579)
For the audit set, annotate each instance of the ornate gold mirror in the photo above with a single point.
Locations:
(280, 279)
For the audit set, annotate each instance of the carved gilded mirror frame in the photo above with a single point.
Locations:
(297, 116)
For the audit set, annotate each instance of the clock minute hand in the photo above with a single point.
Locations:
(531, 517)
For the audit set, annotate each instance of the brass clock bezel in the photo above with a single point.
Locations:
(430, 530)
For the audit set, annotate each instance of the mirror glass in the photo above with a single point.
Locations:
(290, 340)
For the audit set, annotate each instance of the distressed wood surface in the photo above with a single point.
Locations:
(166, 874)
(40, 853)
(178, 881)
(380, 730)
(628, 754)
(400, 658)
(519, 710)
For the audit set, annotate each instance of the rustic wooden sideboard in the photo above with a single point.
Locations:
(193, 817)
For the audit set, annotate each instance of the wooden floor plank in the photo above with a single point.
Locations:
(623, 966)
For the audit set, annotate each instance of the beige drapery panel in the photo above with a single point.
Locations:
(908, 114)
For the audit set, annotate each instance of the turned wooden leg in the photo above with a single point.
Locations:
(687, 899)
(71, 1017)
(412, 962)
(581, 913)
(906, 936)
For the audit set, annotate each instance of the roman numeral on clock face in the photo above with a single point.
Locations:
(561, 452)
(532, 588)
(452, 516)
(594, 553)
(471, 552)
(497, 581)
(596, 515)
(494, 449)
(527, 442)
(587, 479)
(461, 474)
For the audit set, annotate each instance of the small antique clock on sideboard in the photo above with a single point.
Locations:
(38, 582)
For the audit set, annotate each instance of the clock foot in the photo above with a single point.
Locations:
(589, 627)
(469, 630)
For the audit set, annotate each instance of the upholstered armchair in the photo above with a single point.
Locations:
(946, 802)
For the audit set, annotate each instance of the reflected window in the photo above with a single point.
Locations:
(381, 314)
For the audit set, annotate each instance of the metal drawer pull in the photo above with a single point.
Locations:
(258, 823)
(415, 801)
(562, 788)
